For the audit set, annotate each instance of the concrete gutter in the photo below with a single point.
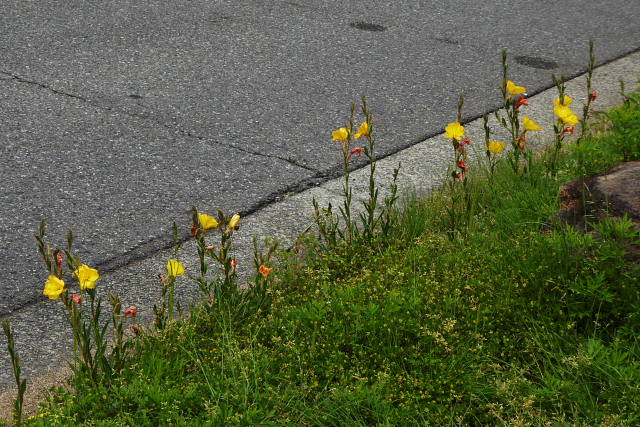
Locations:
(43, 336)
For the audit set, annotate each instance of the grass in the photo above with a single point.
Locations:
(514, 318)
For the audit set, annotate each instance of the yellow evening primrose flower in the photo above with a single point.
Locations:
(530, 125)
(175, 268)
(207, 221)
(340, 135)
(53, 287)
(495, 147)
(87, 276)
(454, 130)
(363, 130)
(565, 113)
(567, 101)
(514, 89)
(233, 223)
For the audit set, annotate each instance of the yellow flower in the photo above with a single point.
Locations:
(513, 89)
(87, 276)
(233, 223)
(567, 101)
(495, 147)
(454, 130)
(207, 221)
(565, 113)
(363, 130)
(175, 268)
(530, 125)
(53, 287)
(340, 135)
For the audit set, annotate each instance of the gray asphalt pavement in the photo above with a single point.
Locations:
(117, 116)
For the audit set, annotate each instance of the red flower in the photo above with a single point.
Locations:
(357, 150)
(593, 96)
(459, 176)
(234, 264)
(135, 329)
(462, 143)
(462, 165)
(521, 101)
(193, 229)
(161, 276)
(131, 311)
(77, 298)
(59, 258)
(265, 270)
(568, 129)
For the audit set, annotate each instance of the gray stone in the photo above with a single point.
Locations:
(613, 193)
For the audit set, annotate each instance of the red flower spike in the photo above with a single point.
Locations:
(234, 264)
(462, 165)
(568, 129)
(521, 101)
(77, 298)
(131, 312)
(593, 96)
(59, 258)
(459, 176)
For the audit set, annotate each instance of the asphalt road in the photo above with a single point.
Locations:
(117, 115)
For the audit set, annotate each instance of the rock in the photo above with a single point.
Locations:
(613, 193)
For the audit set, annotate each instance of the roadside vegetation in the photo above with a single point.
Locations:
(474, 306)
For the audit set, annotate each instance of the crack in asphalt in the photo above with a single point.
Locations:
(174, 127)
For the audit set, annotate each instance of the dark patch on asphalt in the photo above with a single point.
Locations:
(367, 26)
(134, 96)
(447, 40)
(535, 62)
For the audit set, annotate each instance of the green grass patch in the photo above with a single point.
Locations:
(516, 319)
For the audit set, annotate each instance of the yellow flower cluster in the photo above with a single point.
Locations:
(514, 89)
(87, 276)
(454, 130)
(496, 147)
(563, 111)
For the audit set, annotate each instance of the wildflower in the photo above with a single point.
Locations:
(341, 134)
(522, 142)
(59, 258)
(496, 147)
(87, 277)
(514, 89)
(530, 125)
(53, 287)
(357, 151)
(161, 276)
(593, 96)
(521, 101)
(193, 229)
(463, 142)
(565, 114)
(207, 221)
(233, 263)
(175, 268)
(131, 311)
(135, 329)
(454, 130)
(568, 129)
(566, 101)
(459, 176)
(233, 223)
(77, 298)
(265, 270)
(363, 130)
(462, 165)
